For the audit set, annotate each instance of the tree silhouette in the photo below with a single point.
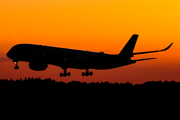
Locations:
(36, 98)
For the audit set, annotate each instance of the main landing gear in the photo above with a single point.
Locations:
(87, 73)
(65, 73)
(16, 66)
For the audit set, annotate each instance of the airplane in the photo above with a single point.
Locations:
(39, 57)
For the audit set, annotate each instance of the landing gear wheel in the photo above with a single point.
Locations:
(61, 74)
(16, 67)
(91, 73)
(87, 74)
(83, 73)
(65, 75)
(69, 74)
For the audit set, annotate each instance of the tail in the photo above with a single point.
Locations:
(129, 47)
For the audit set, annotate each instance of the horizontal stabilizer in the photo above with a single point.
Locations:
(144, 59)
(153, 51)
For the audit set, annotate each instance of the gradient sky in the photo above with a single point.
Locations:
(94, 25)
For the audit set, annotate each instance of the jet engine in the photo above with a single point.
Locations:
(38, 66)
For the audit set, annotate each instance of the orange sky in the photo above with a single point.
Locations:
(94, 25)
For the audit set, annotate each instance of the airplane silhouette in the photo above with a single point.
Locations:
(40, 56)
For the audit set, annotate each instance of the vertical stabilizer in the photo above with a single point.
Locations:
(129, 47)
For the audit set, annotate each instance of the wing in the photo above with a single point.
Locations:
(153, 51)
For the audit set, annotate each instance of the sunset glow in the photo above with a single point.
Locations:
(94, 25)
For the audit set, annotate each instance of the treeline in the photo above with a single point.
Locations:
(48, 98)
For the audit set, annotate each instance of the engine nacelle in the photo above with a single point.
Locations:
(38, 66)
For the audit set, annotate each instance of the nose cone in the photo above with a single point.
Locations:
(9, 54)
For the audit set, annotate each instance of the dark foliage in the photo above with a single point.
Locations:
(47, 98)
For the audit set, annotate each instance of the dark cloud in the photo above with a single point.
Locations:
(4, 59)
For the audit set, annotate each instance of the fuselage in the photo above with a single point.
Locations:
(64, 57)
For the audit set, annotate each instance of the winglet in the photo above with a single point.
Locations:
(167, 47)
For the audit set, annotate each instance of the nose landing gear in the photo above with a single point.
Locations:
(16, 67)
(87, 73)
